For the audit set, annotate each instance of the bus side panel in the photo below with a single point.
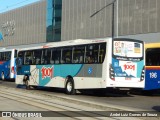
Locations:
(47, 76)
(19, 79)
(152, 78)
(90, 76)
(54, 75)
(5, 68)
(85, 76)
(22, 71)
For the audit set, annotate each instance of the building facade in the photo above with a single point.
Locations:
(60, 20)
(139, 19)
(25, 25)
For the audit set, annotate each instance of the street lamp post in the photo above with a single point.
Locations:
(113, 5)
(113, 18)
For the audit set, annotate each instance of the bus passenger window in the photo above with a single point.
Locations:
(67, 55)
(37, 56)
(92, 53)
(51, 59)
(2, 56)
(76, 60)
(8, 55)
(55, 56)
(102, 52)
(21, 58)
(28, 58)
(89, 59)
(46, 56)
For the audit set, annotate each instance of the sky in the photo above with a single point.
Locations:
(6, 5)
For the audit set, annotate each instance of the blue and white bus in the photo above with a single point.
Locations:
(83, 64)
(7, 63)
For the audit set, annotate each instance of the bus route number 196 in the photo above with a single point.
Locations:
(153, 75)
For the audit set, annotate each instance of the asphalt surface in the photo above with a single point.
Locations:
(114, 99)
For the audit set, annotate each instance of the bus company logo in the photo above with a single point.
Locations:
(47, 72)
(129, 67)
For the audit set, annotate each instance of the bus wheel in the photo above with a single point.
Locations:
(69, 88)
(2, 76)
(147, 92)
(35, 87)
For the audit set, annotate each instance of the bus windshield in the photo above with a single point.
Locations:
(152, 57)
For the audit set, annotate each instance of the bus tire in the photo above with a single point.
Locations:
(2, 76)
(35, 87)
(147, 92)
(69, 87)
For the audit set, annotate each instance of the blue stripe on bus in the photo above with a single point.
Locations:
(47, 72)
(68, 69)
(152, 79)
(5, 67)
(23, 70)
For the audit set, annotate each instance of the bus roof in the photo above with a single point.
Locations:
(63, 43)
(75, 42)
(6, 50)
(152, 45)
(66, 43)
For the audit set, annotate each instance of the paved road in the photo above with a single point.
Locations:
(127, 102)
(14, 110)
(22, 103)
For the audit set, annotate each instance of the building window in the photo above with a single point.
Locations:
(53, 20)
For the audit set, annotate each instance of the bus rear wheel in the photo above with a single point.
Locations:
(2, 76)
(69, 88)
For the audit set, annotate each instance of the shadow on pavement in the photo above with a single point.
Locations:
(90, 92)
(157, 108)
